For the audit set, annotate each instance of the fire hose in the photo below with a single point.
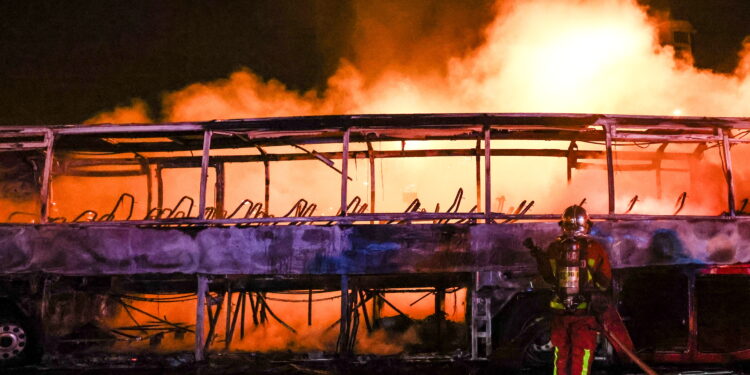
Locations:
(633, 357)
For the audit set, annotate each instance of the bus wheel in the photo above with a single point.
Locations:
(14, 341)
(537, 345)
(530, 349)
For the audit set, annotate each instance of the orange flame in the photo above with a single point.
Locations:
(535, 56)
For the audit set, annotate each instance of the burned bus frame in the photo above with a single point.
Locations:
(479, 249)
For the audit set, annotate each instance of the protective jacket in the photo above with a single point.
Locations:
(578, 268)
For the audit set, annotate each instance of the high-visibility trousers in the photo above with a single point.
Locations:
(574, 339)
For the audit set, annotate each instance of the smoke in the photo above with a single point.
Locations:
(532, 56)
(243, 94)
(415, 38)
(136, 112)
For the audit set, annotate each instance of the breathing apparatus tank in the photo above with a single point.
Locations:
(571, 271)
(571, 266)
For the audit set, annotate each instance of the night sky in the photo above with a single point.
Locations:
(62, 62)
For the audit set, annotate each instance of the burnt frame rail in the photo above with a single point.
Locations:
(346, 129)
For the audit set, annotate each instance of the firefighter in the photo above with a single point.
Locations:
(578, 268)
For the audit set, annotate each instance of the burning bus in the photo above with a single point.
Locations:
(333, 235)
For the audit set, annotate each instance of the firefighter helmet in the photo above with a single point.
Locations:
(575, 221)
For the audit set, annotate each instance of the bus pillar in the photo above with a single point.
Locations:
(200, 317)
(439, 317)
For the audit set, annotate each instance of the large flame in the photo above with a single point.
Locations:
(536, 56)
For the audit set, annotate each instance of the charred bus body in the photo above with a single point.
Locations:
(228, 220)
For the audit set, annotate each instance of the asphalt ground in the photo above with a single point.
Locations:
(280, 364)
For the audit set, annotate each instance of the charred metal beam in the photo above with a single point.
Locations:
(195, 161)
(177, 326)
(657, 167)
(423, 297)
(318, 156)
(159, 187)
(687, 138)
(419, 120)
(253, 308)
(309, 307)
(727, 161)
(630, 167)
(478, 173)
(83, 173)
(344, 317)
(572, 160)
(396, 309)
(204, 173)
(237, 309)
(504, 134)
(354, 306)
(262, 300)
(631, 204)
(242, 319)
(200, 311)
(377, 307)
(113, 129)
(610, 168)
(267, 181)
(19, 145)
(680, 204)
(455, 125)
(228, 327)
(146, 169)
(220, 190)
(364, 298)
(487, 176)
(371, 158)
(262, 307)
(354, 323)
(213, 319)
(48, 161)
(23, 132)
(400, 217)
(439, 316)
(345, 172)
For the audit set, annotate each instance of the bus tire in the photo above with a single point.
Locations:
(16, 340)
(530, 349)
